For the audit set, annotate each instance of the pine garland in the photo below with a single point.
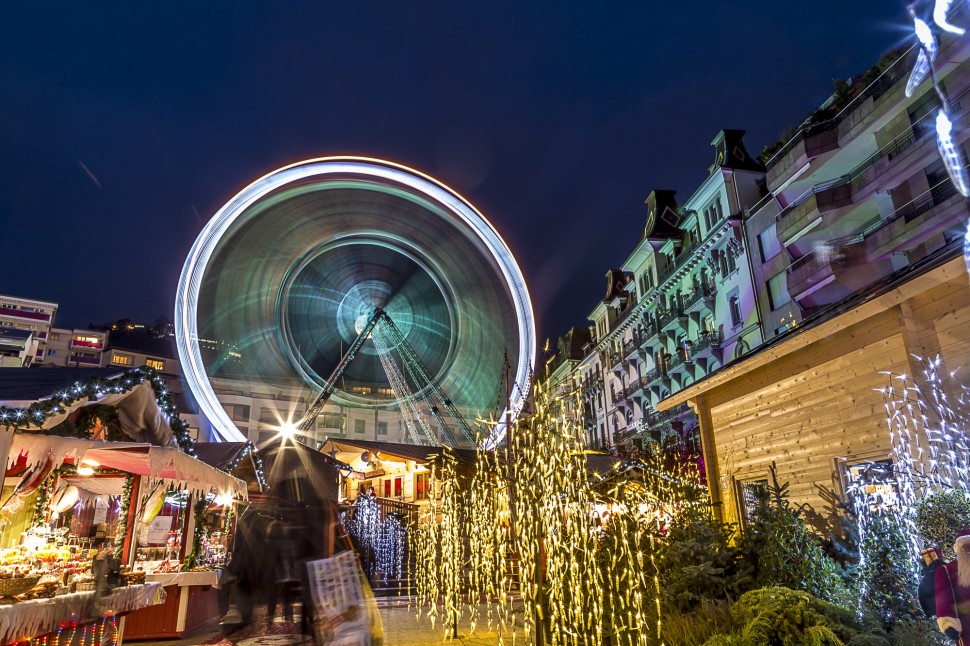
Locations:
(123, 515)
(192, 558)
(35, 415)
(43, 497)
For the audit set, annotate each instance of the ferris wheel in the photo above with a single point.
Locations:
(372, 285)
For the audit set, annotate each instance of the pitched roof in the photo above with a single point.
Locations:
(32, 384)
(219, 454)
(416, 452)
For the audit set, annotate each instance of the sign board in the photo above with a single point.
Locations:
(158, 530)
(344, 612)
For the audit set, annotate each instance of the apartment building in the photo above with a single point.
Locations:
(75, 348)
(29, 314)
(858, 269)
(679, 307)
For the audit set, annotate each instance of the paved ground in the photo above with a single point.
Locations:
(401, 626)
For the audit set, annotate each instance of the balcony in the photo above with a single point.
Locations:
(655, 376)
(86, 345)
(805, 213)
(699, 298)
(24, 314)
(707, 346)
(84, 360)
(940, 209)
(630, 348)
(672, 318)
(808, 143)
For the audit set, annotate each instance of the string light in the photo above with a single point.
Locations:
(580, 575)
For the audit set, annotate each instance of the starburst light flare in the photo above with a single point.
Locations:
(926, 57)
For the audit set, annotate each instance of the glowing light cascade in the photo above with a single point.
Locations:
(923, 69)
(928, 423)
(529, 520)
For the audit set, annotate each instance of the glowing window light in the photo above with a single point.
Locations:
(940, 10)
(927, 55)
(948, 151)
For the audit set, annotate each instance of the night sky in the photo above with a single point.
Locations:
(122, 132)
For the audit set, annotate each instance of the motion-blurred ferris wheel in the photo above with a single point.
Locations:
(374, 285)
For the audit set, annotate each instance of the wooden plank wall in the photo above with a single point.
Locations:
(818, 404)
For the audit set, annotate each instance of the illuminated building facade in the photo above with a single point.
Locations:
(857, 259)
(765, 327)
(679, 307)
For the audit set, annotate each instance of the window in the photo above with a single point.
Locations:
(358, 426)
(382, 428)
(750, 494)
(874, 479)
(720, 211)
(155, 364)
(387, 488)
(398, 487)
(51, 352)
(331, 420)
(734, 305)
(778, 289)
(421, 486)
(768, 241)
(238, 412)
(121, 359)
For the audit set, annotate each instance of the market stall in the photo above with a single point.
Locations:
(106, 478)
(166, 515)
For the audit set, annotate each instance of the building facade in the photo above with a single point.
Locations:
(766, 310)
(29, 314)
(681, 306)
(859, 273)
(76, 348)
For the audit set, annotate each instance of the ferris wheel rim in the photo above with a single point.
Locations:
(197, 261)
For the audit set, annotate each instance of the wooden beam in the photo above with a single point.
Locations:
(709, 451)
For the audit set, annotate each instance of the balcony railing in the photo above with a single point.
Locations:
(706, 342)
(692, 298)
(670, 315)
(654, 375)
(676, 360)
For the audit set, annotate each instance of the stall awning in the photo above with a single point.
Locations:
(155, 462)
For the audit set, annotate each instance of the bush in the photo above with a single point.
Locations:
(940, 516)
(918, 633)
(698, 625)
(785, 617)
(887, 578)
(786, 553)
(697, 561)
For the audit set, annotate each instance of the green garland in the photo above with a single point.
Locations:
(43, 497)
(39, 412)
(123, 515)
(192, 558)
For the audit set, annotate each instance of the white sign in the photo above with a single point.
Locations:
(158, 530)
(100, 511)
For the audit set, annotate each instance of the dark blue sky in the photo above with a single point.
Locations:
(555, 119)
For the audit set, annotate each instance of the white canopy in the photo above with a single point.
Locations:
(154, 462)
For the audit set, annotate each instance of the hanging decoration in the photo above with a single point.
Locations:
(123, 515)
(192, 558)
(924, 68)
(43, 497)
(37, 414)
(381, 540)
(534, 516)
